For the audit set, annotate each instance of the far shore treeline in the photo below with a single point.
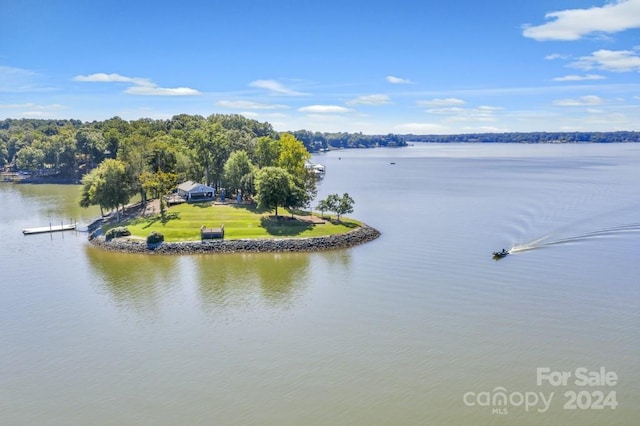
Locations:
(69, 148)
(530, 137)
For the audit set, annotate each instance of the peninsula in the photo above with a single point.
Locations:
(245, 228)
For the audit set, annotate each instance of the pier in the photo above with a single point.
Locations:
(90, 227)
(50, 228)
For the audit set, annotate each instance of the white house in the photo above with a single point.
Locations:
(193, 191)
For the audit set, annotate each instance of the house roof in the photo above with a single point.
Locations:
(190, 186)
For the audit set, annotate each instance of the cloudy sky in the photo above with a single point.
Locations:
(403, 66)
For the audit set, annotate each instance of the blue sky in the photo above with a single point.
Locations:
(423, 67)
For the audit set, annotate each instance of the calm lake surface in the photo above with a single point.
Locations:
(421, 326)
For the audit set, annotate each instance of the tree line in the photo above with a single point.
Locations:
(248, 160)
(69, 148)
(531, 137)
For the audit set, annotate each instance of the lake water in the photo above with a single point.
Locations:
(420, 326)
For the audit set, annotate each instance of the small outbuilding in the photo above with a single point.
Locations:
(194, 191)
(211, 233)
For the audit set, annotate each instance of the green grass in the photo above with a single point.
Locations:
(183, 222)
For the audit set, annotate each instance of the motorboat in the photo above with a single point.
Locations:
(500, 254)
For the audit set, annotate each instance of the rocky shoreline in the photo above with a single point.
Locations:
(358, 236)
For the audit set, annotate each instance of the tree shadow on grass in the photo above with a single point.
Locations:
(251, 207)
(345, 224)
(285, 226)
(202, 204)
(164, 220)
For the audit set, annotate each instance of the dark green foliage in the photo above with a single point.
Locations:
(155, 238)
(120, 231)
(273, 187)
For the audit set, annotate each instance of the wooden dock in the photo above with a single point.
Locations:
(50, 228)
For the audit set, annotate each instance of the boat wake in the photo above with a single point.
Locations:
(558, 239)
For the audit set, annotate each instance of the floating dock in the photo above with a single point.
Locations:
(50, 228)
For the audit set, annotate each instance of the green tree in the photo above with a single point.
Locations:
(332, 202)
(4, 151)
(344, 205)
(134, 153)
(323, 206)
(293, 155)
(267, 152)
(337, 204)
(209, 145)
(158, 184)
(63, 151)
(237, 167)
(161, 155)
(89, 191)
(297, 197)
(30, 158)
(91, 143)
(107, 186)
(302, 192)
(273, 187)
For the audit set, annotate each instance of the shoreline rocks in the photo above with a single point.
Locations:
(356, 237)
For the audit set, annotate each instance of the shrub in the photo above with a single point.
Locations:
(120, 231)
(155, 238)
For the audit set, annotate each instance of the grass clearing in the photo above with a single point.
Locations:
(183, 222)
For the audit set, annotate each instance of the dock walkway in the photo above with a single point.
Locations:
(50, 228)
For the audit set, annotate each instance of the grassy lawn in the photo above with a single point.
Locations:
(183, 223)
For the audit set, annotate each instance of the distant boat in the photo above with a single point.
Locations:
(500, 254)
(393, 162)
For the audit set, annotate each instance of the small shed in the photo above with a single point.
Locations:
(194, 191)
(211, 233)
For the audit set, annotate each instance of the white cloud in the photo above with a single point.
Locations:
(397, 80)
(101, 77)
(419, 128)
(580, 77)
(161, 91)
(17, 106)
(324, 109)
(141, 86)
(573, 24)
(275, 87)
(555, 56)
(370, 100)
(263, 116)
(31, 105)
(589, 100)
(484, 129)
(250, 105)
(610, 60)
(19, 80)
(33, 110)
(481, 113)
(441, 102)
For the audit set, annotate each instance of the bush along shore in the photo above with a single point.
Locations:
(358, 236)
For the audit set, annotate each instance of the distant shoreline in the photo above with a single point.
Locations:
(349, 239)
